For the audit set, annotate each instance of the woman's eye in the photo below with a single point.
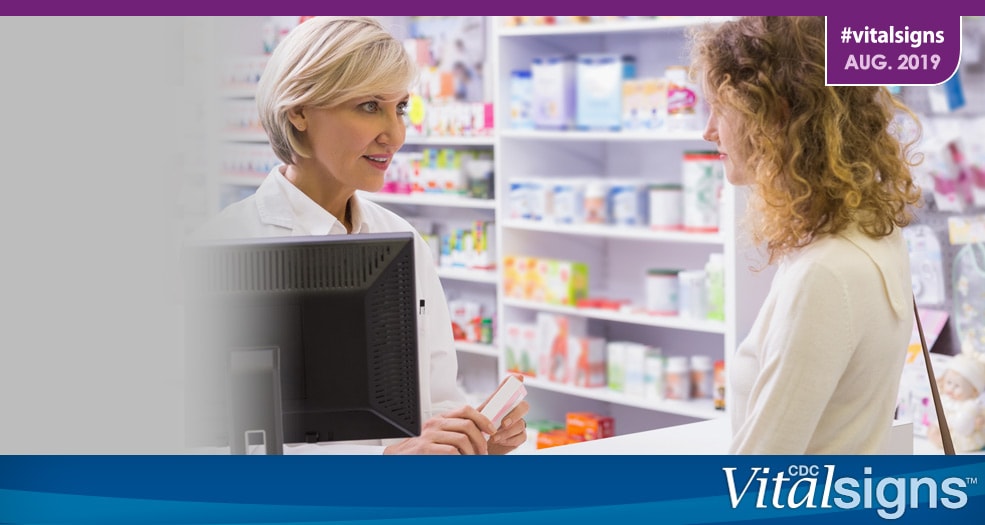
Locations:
(402, 108)
(370, 107)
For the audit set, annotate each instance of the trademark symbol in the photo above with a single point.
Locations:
(971, 481)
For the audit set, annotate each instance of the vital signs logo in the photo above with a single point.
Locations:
(813, 486)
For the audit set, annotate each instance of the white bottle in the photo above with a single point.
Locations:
(715, 287)
(654, 376)
(702, 377)
(677, 378)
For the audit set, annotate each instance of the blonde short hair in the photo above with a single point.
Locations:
(324, 62)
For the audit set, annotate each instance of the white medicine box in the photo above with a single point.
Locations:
(553, 92)
(599, 89)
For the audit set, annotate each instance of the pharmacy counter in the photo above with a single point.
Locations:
(704, 437)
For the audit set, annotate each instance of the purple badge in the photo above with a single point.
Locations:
(892, 48)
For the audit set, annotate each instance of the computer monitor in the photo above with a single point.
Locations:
(301, 339)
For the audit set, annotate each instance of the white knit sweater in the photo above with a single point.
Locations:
(819, 371)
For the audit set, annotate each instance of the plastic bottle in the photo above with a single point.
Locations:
(677, 378)
(654, 376)
(682, 100)
(702, 378)
(715, 287)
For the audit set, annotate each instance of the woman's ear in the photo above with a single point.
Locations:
(298, 118)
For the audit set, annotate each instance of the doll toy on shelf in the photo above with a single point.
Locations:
(962, 389)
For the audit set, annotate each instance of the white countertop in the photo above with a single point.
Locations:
(707, 437)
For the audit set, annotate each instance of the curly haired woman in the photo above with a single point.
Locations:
(831, 188)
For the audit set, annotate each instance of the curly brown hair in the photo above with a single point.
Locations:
(822, 157)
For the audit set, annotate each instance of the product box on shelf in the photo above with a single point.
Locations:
(589, 426)
(565, 282)
(586, 361)
(553, 92)
(556, 438)
(518, 272)
(521, 348)
(654, 91)
(521, 99)
(548, 281)
(632, 105)
(554, 332)
(598, 92)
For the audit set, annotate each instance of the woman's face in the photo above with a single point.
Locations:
(354, 142)
(721, 129)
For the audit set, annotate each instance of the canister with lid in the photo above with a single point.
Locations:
(666, 206)
(661, 291)
(703, 176)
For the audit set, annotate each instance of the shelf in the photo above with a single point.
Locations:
(616, 232)
(430, 199)
(605, 136)
(477, 348)
(697, 408)
(468, 274)
(627, 26)
(675, 322)
(417, 140)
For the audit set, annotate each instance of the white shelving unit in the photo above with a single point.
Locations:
(618, 257)
(478, 362)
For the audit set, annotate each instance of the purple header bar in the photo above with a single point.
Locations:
(892, 48)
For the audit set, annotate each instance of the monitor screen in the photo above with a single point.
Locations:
(301, 339)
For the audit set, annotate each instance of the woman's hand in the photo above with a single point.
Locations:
(512, 432)
(456, 432)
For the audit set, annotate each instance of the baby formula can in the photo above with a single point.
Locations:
(665, 206)
(703, 176)
(661, 291)
(682, 100)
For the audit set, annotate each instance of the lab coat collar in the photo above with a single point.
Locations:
(282, 204)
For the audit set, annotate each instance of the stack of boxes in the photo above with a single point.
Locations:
(579, 426)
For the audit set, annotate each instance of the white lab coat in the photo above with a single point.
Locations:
(278, 208)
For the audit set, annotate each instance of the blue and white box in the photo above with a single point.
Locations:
(599, 89)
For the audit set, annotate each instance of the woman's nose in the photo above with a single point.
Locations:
(711, 132)
(394, 132)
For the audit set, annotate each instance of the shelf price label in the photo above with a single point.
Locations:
(893, 48)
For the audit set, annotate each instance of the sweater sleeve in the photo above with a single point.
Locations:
(806, 349)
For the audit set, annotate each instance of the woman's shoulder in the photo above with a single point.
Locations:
(852, 245)
(859, 262)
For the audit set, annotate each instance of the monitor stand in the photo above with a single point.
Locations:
(255, 415)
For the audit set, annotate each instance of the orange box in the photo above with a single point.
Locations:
(590, 426)
(556, 438)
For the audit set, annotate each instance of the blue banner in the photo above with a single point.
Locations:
(510, 489)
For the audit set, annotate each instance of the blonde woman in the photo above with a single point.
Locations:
(332, 101)
(831, 188)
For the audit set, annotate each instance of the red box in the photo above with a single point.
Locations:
(590, 426)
